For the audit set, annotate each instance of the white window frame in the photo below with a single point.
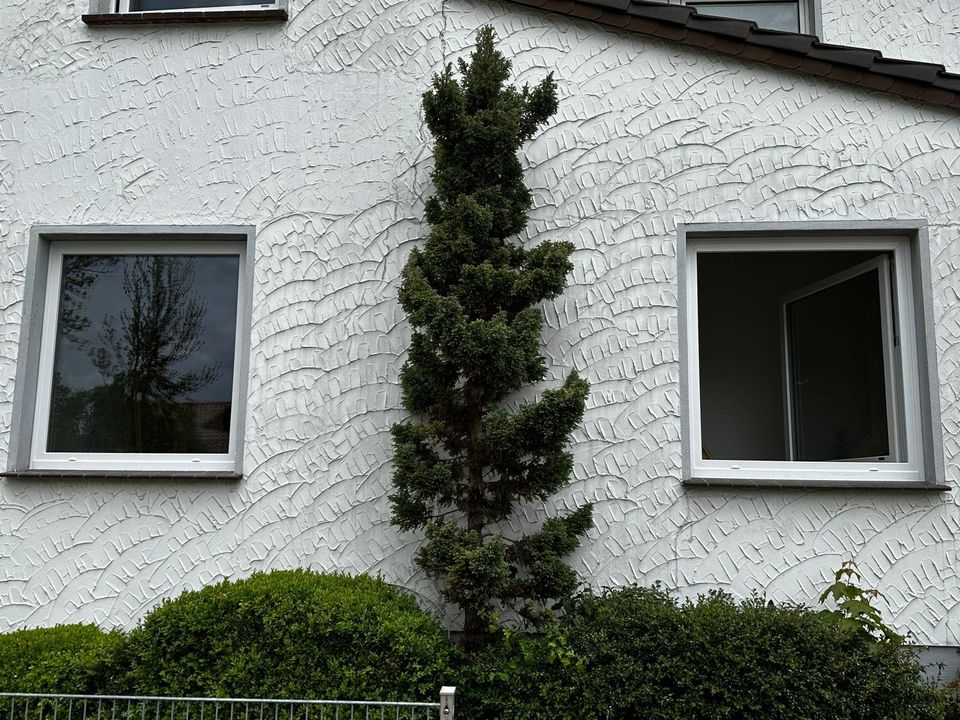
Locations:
(123, 6)
(46, 460)
(27, 456)
(805, 8)
(913, 470)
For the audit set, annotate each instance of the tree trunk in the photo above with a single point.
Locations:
(474, 622)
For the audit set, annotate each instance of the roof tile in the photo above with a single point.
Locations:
(876, 81)
(844, 74)
(702, 40)
(857, 57)
(949, 81)
(787, 60)
(678, 14)
(791, 42)
(620, 5)
(923, 72)
(739, 29)
(728, 46)
(559, 6)
(815, 67)
(755, 52)
(585, 12)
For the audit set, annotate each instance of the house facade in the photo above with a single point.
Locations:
(766, 293)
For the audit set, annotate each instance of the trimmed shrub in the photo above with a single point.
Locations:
(953, 701)
(80, 659)
(720, 659)
(520, 676)
(637, 653)
(291, 634)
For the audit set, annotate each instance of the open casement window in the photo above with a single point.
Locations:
(140, 356)
(787, 15)
(163, 5)
(801, 358)
(841, 367)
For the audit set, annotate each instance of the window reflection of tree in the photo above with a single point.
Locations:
(78, 275)
(142, 355)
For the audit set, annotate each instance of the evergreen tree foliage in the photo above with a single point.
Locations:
(473, 299)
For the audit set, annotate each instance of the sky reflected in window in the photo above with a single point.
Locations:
(147, 5)
(771, 15)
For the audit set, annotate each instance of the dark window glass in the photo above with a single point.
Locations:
(146, 5)
(835, 357)
(837, 373)
(771, 15)
(144, 354)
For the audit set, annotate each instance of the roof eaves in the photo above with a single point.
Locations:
(862, 67)
(861, 58)
(790, 42)
(676, 14)
(950, 81)
(917, 71)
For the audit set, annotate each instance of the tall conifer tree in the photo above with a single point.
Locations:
(472, 296)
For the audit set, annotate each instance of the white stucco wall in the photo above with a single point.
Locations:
(308, 130)
(927, 30)
(311, 131)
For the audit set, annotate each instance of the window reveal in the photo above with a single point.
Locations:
(139, 348)
(801, 358)
(144, 353)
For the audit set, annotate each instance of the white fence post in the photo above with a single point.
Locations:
(447, 693)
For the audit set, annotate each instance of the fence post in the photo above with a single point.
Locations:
(447, 693)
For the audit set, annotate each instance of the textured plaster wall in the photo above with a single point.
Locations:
(311, 131)
(307, 129)
(651, 135)
(927, 30)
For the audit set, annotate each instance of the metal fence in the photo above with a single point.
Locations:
(35, 706)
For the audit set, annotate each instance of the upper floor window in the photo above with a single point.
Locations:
(787, 15)
(124, 12)
(158, 5)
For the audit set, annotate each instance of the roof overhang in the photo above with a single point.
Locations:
(743, 39)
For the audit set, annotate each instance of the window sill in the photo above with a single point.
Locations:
(121, 474)
(185, 16)
(817, 484)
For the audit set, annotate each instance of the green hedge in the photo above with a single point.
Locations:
(63, 659)
(636, 653)
(629, 654)
(291, 634)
